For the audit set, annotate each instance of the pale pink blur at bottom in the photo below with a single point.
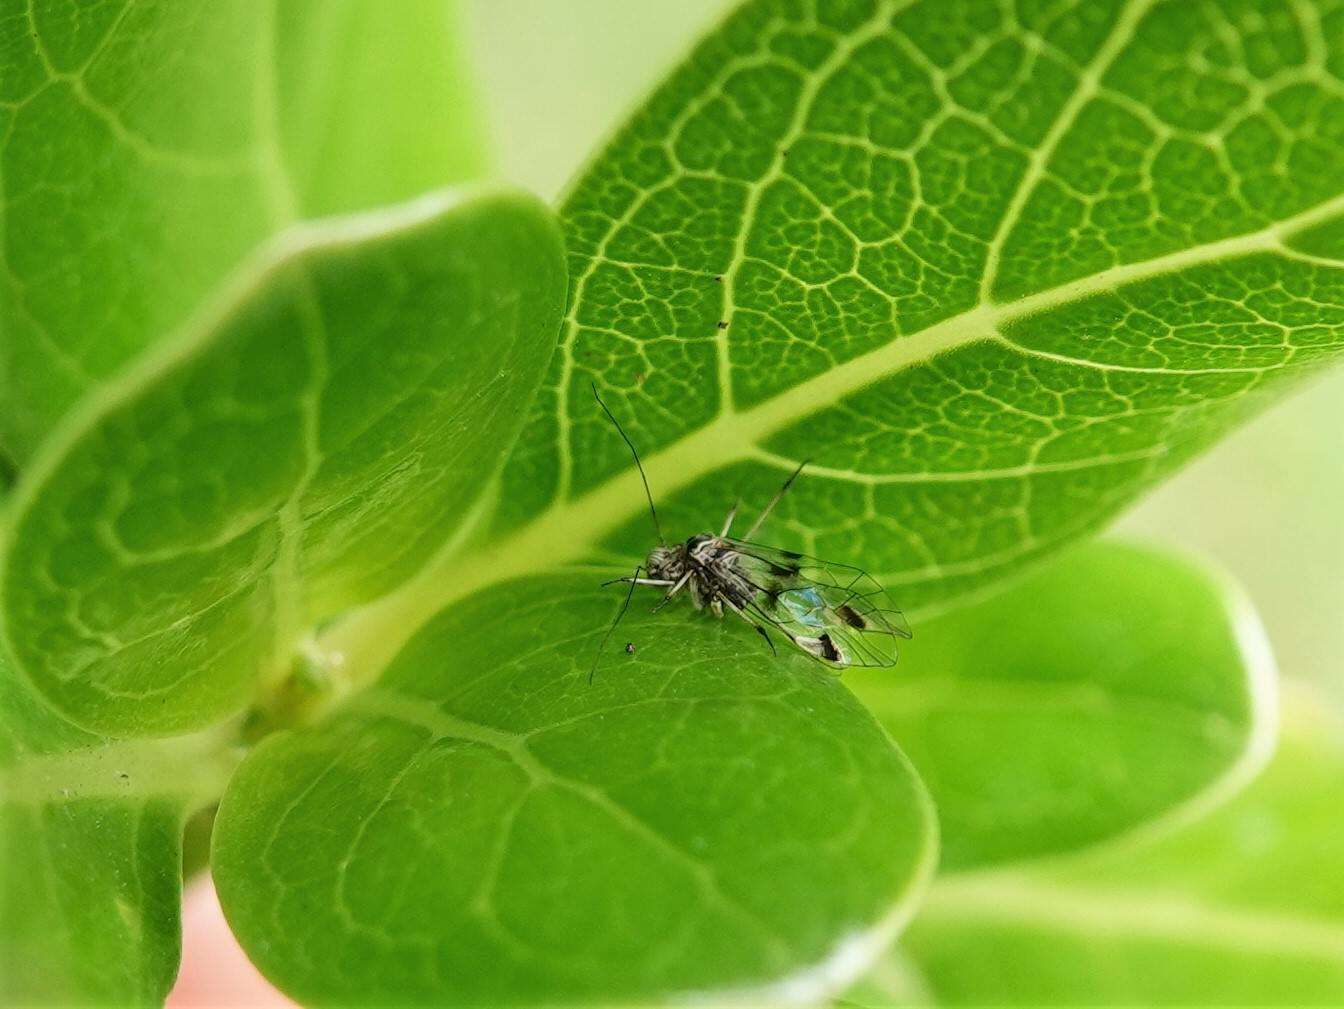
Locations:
(214, 970)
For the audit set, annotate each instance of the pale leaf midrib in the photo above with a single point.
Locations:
(788, 465)
(277, 181)
(919, 699)
(568, 531)
(443, 725)
(1098, 911)
(192, 768)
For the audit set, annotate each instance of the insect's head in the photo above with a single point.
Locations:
(665, 562)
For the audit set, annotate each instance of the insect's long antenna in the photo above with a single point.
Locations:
(634, 578)
(775, 500)
(657, 526)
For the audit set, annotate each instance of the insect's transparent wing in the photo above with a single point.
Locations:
(835, 612)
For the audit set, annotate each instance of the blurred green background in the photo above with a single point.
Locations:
(556, 77)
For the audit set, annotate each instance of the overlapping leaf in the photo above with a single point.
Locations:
(146, 148)
(91, 855)
(1246, 908)
(993, 268)
(485, 827)
(1118, 688)
(301, 448)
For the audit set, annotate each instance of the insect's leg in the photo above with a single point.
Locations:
(759, 628)
(677, 587)
(632, 580)
(774, 501)
(765, 634)
(728, 522)
(625, 605)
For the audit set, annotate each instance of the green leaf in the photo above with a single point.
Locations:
(374, 105)
(1117, 689)
(995, 269)
(90, 855)
(484, 827)
(1246, 908)
(145, 148)
(298, 449)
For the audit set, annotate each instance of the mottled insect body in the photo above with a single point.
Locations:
(833, 612)
(707, 568)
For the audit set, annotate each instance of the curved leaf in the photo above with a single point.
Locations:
(995, 269)
(91, 855)
(1117, 689)
(485, 827)
(1246, 908)
(145, 148)
(298, 450)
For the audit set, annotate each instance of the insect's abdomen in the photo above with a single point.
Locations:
(736, 587)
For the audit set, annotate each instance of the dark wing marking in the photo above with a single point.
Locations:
(833, 612)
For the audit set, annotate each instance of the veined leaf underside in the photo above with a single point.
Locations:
(995, 270)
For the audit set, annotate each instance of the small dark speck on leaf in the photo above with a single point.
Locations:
(718, 278)
(723, 324)
(629, 648)
(123, 776)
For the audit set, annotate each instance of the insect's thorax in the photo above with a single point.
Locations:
(710, 569)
